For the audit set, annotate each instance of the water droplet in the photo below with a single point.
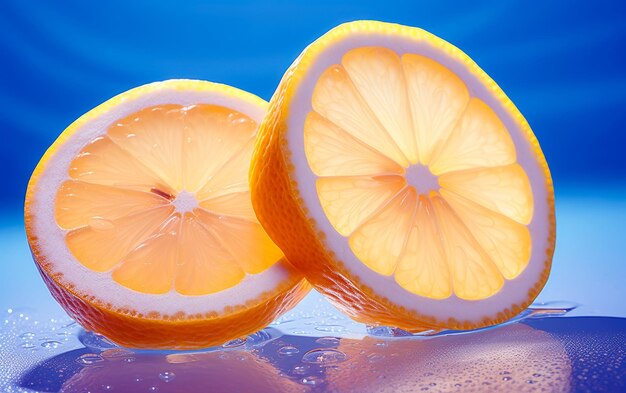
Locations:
(119, 354)
(329, 341)
(537, 375)
(235, 343)
(331, 328)
(96, 341)
(540, 310)
(324, 356)
(262, 336)
(373, 358)
(107, 387)
(28, 345)
(153, 389)
(288, 350)
(530, 381)
(51, 344)
(300, 370)
(27, 336)
(89, 358)
(506, 378)
(386, 331)
(310, 380)
(167, 376)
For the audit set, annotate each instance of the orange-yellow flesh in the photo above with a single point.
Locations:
(431, 277)
(474, 275)
(206, 266)
(379, 242)
(376, 66)
(334, 152)
(161, 201)
(506, 241)
(79, 202)
(244, 240)
(505, 190)
(352, 200)
(478, 140)
(438, 99)
(375, 116)
(336, 98)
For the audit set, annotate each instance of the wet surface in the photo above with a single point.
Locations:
(315, 348)
(556, 347)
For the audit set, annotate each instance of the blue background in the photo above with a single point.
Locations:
(562, 63)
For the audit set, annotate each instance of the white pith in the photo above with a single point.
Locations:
(185, 202)
(420, 177)
(51, 238)
(513, 292)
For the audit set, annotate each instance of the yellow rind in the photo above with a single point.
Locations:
(281, 210)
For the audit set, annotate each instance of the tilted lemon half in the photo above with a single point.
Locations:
(140, 220)
(404, 184)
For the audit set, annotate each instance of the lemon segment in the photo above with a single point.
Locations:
(208, 267)
(102, 244)
(380, 241)
(474, 275)
(103, 162)
(505, 190)
(437, 98)
(80, 203)
(349, 201)
(336, 98)
(431, 276)
(380, 67)
(505, 240)
(331, 151)
(478, 140)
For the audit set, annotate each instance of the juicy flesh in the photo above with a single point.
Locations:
(161, 202)
(419, 175)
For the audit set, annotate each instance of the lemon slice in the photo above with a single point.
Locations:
(140, 221)
(412, 191)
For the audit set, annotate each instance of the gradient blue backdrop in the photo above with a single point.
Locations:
(562, 63)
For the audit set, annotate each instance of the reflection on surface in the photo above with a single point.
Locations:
(515, 357)
(536, 354)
